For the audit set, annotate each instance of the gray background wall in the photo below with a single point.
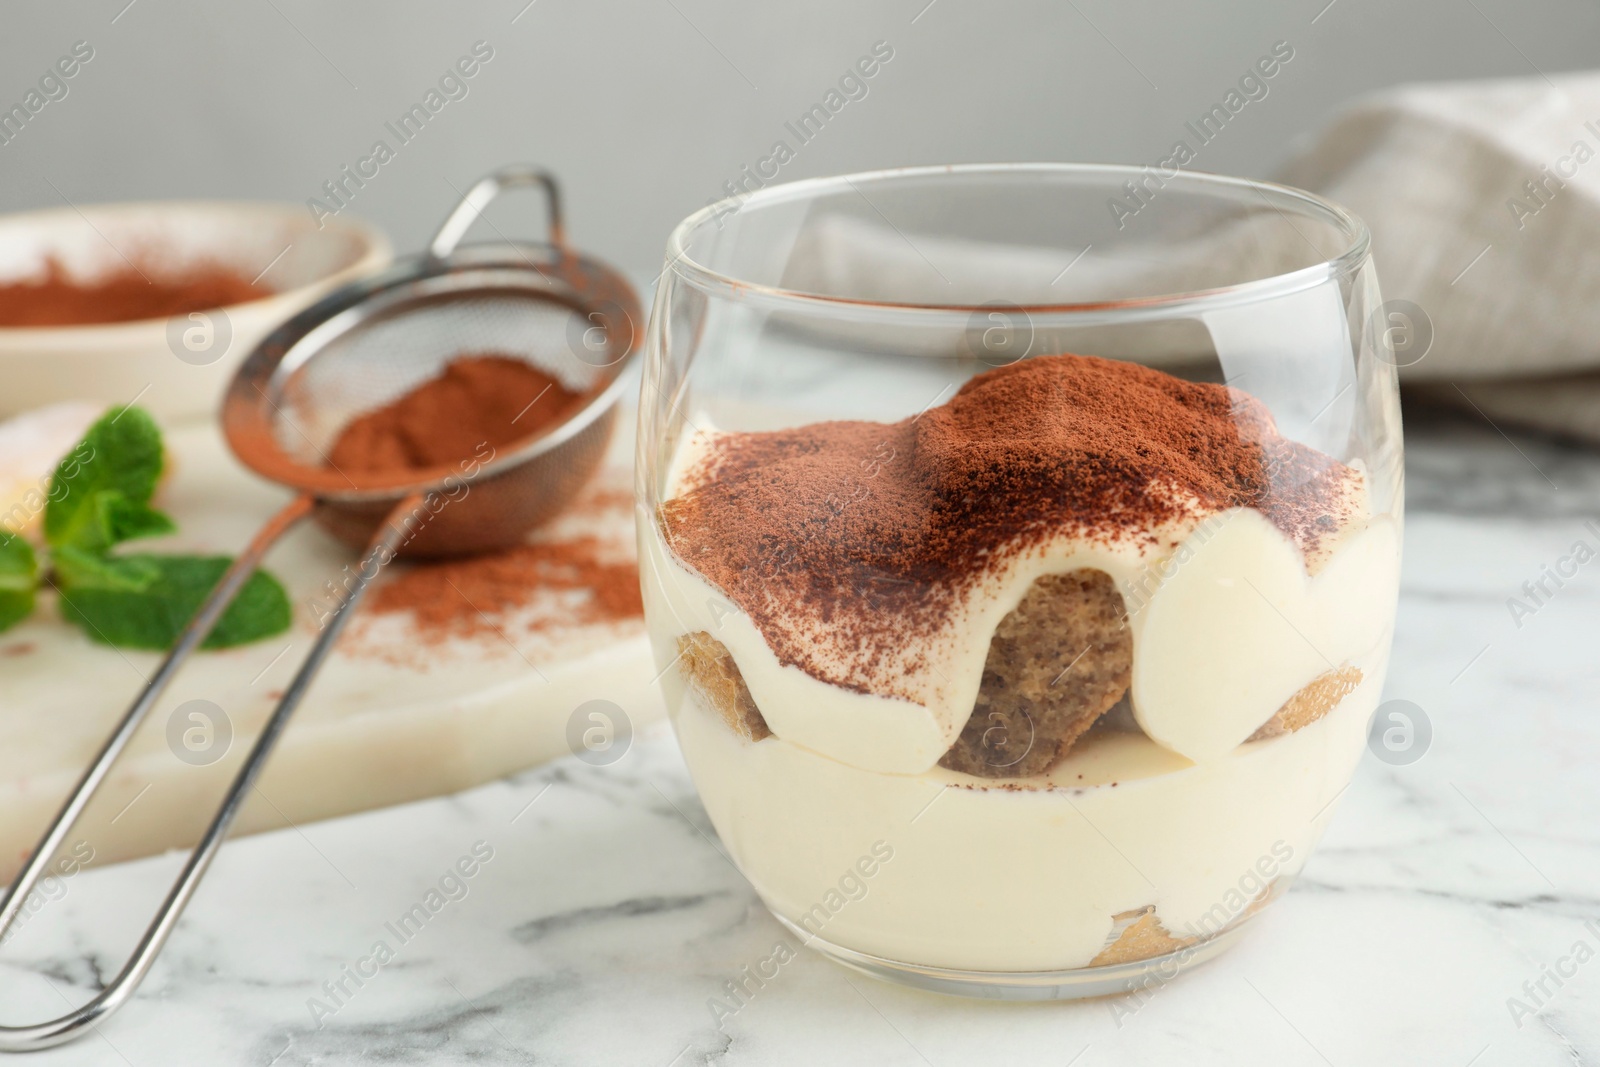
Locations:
(646, 107)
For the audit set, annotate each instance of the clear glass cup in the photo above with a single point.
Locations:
(879, 511)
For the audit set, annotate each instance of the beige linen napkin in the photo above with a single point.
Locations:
(1483, 199)
(1484, 204)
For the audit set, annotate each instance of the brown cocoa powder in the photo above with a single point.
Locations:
(475, 595)
(857, 536)
(125, 295)
(478, 399)
(495, 399)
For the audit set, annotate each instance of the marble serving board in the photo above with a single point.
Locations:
(391, 717)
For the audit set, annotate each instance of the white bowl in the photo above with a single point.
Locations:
(176, 368)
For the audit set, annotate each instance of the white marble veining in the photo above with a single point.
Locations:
(607, 916)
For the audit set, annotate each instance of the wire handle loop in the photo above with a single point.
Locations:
(464, 214)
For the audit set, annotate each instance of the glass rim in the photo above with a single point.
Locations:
(1356, 251)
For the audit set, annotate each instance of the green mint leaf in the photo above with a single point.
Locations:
(152, 617)
(79, 569)
(19, 577)
(156, 615)
(122, 519)
(120, 454)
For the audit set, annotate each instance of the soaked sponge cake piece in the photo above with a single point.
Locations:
(1060, 660)
(1138, 935)
(1320, 696)
(709, 668)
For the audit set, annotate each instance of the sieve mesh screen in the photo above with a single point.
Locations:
(384, 357)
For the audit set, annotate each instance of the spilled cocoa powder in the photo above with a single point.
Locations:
(474, 596)
(551, 584)
(128, 294)
(478, 399)
(494, 399)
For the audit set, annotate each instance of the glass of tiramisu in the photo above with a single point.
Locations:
(1020, 548)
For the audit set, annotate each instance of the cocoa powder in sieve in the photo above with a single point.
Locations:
(494, 399)
(125, 295)
(478, 399)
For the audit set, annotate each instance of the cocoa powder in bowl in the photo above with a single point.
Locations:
(130, 294)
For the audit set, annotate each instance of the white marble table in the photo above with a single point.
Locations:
(607, 917)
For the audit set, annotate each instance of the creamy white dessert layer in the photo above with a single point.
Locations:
(970, 875)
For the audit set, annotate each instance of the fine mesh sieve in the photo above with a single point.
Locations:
(358, 349)
(364, 346)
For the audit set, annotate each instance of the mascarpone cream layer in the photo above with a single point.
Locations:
(994, 878)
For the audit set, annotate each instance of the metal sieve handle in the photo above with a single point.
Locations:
(78, 1021)
(516, 176)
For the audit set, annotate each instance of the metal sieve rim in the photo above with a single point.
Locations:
(546, 272)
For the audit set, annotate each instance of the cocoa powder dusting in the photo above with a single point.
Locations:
(475, 595)
(560, 580)
(856, 536)
(478, 399)
(125, 295)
